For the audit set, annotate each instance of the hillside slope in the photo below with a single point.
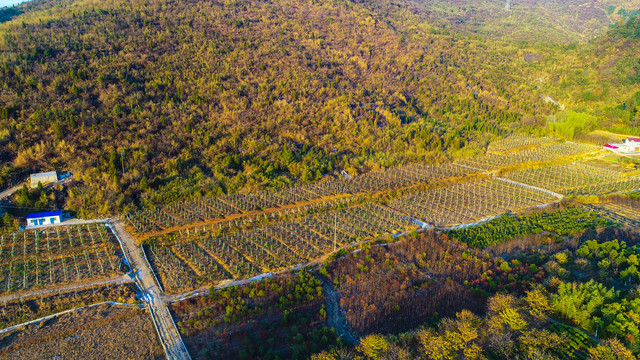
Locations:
(150, 101)
(545, 21)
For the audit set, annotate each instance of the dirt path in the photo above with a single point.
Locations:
(10, 191)
(83, 285)
(14, 189)
(152, 295)
(336, 318)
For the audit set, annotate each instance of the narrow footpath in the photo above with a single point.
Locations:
(152, 295)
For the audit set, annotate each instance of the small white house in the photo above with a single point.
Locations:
(45, 218)
(628, 146)
(43, 178)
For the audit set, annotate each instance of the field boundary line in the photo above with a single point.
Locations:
(549, 192)
(45, 318)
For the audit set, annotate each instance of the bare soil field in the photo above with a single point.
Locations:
(101, 332)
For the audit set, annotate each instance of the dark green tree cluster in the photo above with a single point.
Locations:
(567, 221)
(613, 258)
(34, 199)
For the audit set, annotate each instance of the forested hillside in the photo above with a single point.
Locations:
(530, 20)
(151, 101)
(544, 297)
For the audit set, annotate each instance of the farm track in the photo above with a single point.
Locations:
(10, 191)
(152, 294)
(531, 187)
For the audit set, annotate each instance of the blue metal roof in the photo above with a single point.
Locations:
(44, 214)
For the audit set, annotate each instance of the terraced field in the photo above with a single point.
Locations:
(543, 153)
(238, 205)
(202, 242)
(205, 256)
(469, 202)
(576, 178)
(516, 141)
(58, 255)
(624, 210)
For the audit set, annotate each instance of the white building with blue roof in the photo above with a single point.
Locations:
(45, 218)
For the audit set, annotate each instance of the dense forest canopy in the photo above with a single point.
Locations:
(152, 101)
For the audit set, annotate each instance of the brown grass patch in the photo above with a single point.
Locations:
(101, 332)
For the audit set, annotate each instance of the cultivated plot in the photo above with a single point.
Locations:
(99, 332)
(469, 202)
(58, 255)
(623, 209)
(576, 178)
(549, 152)
(515, 141)
(204, 256)
(210, 208)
